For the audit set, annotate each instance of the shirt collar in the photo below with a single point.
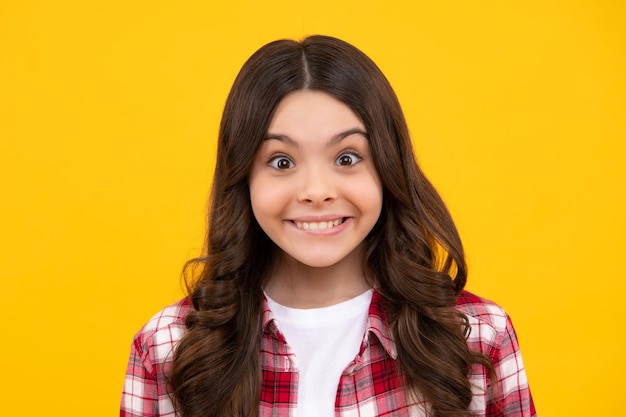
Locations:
(376, 324)
(270, 325)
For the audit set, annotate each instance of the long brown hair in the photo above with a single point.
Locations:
(414, 250)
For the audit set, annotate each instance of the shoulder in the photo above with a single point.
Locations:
(158, 337)
(146, 390)
(173, 314)
(489, 323)
(482, 309)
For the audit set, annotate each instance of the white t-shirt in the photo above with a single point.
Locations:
(325, 341)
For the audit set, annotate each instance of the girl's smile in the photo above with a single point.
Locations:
(313, 185)
(322, 225)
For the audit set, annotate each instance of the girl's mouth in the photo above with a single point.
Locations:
(325, 225)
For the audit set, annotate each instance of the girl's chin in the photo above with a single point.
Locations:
(321, 260)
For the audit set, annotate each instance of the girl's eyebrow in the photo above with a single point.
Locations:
(333, 141)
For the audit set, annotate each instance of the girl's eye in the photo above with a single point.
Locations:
(348, 158)
(280, 162)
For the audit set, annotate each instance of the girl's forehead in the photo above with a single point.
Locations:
(306, 110)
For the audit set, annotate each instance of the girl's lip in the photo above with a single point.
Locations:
(324, 218)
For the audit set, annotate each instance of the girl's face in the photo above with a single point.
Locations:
(313, 185)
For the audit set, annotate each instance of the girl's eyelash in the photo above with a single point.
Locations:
(274, 156)
(351, 151)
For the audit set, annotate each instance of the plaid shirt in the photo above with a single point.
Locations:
(368, 387)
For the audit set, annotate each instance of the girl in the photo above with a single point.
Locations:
(333, 277)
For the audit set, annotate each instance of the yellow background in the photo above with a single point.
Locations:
(108, 117)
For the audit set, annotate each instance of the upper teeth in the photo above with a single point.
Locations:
(318, 225)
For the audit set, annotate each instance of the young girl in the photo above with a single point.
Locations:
(333, 277)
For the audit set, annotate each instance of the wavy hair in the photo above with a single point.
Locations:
(414, 250)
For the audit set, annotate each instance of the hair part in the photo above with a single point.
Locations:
(414, 250)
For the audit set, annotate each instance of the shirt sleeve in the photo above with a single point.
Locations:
(139, 396)
(510, 396)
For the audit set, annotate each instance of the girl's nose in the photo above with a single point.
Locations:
(317, 187)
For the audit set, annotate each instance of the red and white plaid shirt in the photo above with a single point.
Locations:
(368, 387)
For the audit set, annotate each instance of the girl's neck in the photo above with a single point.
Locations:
(296, 285)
